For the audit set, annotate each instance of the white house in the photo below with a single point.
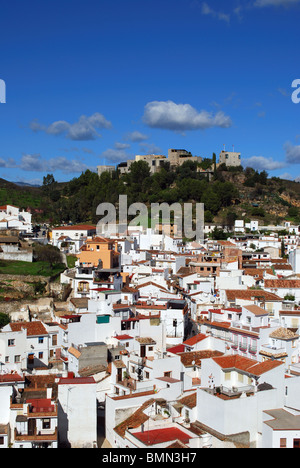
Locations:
(235, 391)
(77, 415)
(281, 428)
(71, 238)
(12, 218)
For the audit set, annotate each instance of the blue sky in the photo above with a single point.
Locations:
(97, 82)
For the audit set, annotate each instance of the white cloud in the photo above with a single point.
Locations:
(136, 136)
(266, 3)
(150, 148)
(180, 117)
(86, 128)
(262, 163)
(8, 163)
(32, 162)
(286, 176)
(207, 10)
(35, 163)
(292, 153)
(114, 155)
(121, 146)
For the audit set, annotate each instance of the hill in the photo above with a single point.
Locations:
(228, 194)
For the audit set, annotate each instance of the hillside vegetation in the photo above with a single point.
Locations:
(229, 193)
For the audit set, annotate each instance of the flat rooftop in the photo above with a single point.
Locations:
(159, 436)
(283, 420)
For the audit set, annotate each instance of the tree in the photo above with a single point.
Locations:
(293, 212)
(206, 163)
(139, 171)
(219, 234)
(4, 319)
(214, 158)
(49, 184)
(48, 253)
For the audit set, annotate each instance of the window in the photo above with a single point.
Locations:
(17, 358)
(296, 443)
(227, 375)
(41, 340)
(54, 340)
(1, 440)
(11, 342)
(6, 359)
(46, 423)
(167, 374)
(282, 443)
(41, 355)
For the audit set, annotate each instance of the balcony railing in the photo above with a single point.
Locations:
(37, 435)
(273, 349)
(243, 347)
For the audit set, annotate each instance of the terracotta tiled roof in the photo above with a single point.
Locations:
(258, 272)
(74, 352)
(282, 283)
(11, 378)
(248, 365)
(140, 286)
(256, 310)
(33, 328)
(135, 420)
(282, 267)
(251, 294)
(190, 401)
(177, 445)
(196, 357)
(176, 349)
(289, 312)
(195, 339)
(123, 337)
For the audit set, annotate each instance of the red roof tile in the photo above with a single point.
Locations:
(33, 328)
(195, 339)
(159, 436)
(123, 337)
(249, 365)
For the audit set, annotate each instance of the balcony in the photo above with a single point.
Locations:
(252, 349)
(231, 392)
(270, 350)
(243, 347)
(38, 412)
(242, 326)
(36, 436)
